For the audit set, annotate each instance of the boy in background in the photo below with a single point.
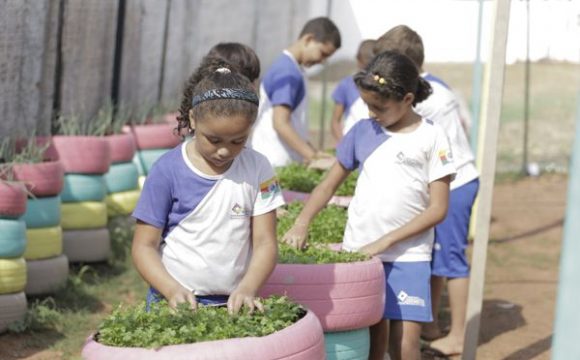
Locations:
(348, 104)
(281, 129)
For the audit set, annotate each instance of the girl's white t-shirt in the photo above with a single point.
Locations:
(395, 170)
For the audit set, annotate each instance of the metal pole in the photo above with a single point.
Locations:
(526, 93)
(567, 323)
(476, 84)
(324, 90)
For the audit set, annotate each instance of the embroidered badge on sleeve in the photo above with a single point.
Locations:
(445, 156)
(269, 188)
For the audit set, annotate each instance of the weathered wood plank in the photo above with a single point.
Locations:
(27, 53)
(88, 44)
(142, 52)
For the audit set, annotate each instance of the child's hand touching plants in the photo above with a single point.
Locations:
(181, 295)
(297, 235)
(241, 297)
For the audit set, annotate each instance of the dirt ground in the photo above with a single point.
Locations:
(522, 269)
(521, 280)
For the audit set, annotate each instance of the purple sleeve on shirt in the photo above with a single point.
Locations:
(360, 142)
(155, 201)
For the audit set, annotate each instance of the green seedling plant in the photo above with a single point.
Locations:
(41, 315)
(317, 254)
(298, 177)
(162, 326)
(326, 228)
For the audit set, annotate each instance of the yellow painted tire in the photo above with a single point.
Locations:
(46, 276)
(122, 203)
(43, 243)
(12, 275)
(84, 215)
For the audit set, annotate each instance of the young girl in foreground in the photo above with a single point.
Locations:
(206, 217)
(402, 191)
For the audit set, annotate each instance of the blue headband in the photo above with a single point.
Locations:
(226, 93)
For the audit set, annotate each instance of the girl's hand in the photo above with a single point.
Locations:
(181, 295)
(241, 297)
(296, 236)
(322, 161)
(371, 249)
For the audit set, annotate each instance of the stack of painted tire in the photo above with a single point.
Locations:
(12, 246)
(122, 179)
(347, 298)
(152, 140)
(46, 264)
(301, 341)
(86, 160)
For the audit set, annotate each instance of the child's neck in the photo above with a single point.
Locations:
(407, 124)
(296, 51)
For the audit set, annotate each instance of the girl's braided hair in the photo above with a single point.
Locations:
(393, 75)
(214, 73)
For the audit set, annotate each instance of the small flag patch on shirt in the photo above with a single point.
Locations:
(269, 188)
(445, 156)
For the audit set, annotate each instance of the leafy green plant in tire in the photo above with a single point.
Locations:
(316, 254)
(134, 327)
(298, 177)
(327, 227)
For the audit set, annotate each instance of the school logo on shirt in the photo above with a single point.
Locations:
(445, 156)
(407, 161)
(239, 212)
(406, 299)
(269, 188)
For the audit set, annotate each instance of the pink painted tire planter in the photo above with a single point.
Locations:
(155, 136)
(12, 199)
(41, 179)
(344, 296)
(83, 154)
(290, 196)
(122, 147)
(302, 341)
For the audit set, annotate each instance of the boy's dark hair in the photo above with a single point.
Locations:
(392, 75)
(365, 52)
(240, 56)
(323, 30)
(404, 40)
(208, 77)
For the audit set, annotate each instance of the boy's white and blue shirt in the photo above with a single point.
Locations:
(442, 107)
(283, 84)
(206, 219)
(395, 170)
(347, 95)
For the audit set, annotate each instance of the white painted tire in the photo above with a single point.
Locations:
(12, 275)
(122, 203)
(46, 276)
(301, 341)
(43, 243)
(91, 245)
(13, 308)
(84, 215)
(344, 296)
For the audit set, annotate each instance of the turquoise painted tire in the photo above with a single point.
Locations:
(78, 188)
(13, 308)
(46, 276)
(148, 157)
(122, 177)
(12, 238)
(42, 212)
(347, 345)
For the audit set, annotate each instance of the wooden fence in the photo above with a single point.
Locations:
(72, 56)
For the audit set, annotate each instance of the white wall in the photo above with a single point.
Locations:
(449, 27)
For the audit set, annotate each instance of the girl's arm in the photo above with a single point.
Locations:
(264, 255)
(434, 214)
(145, 253)
(320, 196)
(336, 121)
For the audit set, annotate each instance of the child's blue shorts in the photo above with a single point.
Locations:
(154, 296)
(449, 259)
(408, 291)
